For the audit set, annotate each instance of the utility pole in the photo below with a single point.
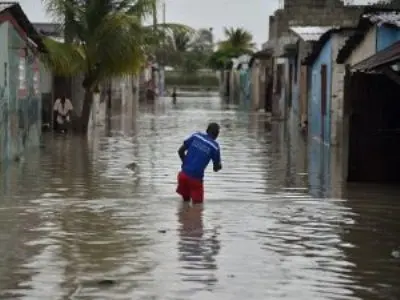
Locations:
(155, 15)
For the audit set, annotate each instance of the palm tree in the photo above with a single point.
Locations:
(238, 42)
(104, 38)
(238, 39)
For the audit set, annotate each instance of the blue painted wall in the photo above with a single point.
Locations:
(386, 36)
(314, 100)
(319, 169)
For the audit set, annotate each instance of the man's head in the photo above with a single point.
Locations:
(213, 130)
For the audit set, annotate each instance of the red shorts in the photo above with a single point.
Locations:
(190, 188)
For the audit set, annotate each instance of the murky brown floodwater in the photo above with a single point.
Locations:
(74, 215)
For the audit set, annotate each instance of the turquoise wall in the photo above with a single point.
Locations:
(386, 36)
(315, 118)
(22, 128)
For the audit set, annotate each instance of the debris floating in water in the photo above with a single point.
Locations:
(106, 282)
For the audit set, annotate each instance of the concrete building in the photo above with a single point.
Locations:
(324, 104)
(20, 97)
(297, 13)
(307, 37)
(369, 93)
(261, 83)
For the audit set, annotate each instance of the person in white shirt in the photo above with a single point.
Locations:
(63, 109)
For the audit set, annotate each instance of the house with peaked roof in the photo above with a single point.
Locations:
(325, 73)
(20, 98)
(307, 36)
(369, 97)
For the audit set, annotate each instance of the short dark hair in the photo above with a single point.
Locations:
(213, 130)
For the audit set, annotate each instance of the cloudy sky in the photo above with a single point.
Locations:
(250, 14)
(197, 14)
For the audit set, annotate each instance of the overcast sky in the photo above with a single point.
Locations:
(249, 14)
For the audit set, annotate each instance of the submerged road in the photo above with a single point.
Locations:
(76, 223)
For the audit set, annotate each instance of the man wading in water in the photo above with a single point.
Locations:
(63, 108)
(196, 153)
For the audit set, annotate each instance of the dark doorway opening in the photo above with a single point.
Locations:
(373, 106)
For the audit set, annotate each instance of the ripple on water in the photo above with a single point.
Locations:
(76, 216)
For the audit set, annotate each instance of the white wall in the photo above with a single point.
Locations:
(337, 104)
(365, 49)
(46, 80)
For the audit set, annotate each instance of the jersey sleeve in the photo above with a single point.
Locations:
(216, 157)
(188, 141)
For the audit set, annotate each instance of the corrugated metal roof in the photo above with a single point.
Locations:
(310, 33)
(384, 17)
(387, 56)
(317, 47)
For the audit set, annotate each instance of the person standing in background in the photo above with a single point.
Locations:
(63, 109)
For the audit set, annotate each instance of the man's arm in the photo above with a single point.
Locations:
(185, 146)
(182, 152)
(217, 166)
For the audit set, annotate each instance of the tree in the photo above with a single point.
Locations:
(188, 50)
(238, 39)
(104, 38)
(237, 42)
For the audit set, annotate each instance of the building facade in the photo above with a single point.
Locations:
(20, 98)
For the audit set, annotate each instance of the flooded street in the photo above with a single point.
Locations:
(74, 216)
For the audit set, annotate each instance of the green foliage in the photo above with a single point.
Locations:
(238, 39)
(104, 38)
(238, 42)
(187, 50)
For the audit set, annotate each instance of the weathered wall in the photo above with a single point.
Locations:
(318, 124)
(24, 96)
(337, 103)
(281, 84)
(255, 85)
(299, 91)
(313, 3)
(365, 49)
(307, 13)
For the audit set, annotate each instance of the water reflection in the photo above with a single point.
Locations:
(278, 223)
(197, 247)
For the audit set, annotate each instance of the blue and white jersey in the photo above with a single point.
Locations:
(201, 148)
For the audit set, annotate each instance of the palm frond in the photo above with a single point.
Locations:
(117, 45)
(63, 59)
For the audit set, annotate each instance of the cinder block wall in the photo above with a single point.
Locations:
(312, 13)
